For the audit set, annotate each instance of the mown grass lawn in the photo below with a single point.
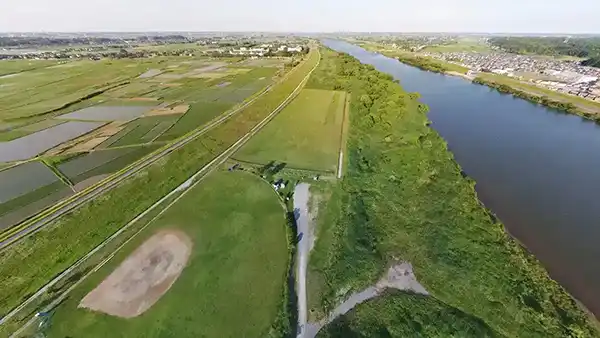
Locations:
(233, 284)
(306, 134)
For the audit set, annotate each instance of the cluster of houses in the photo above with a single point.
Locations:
(261, 50)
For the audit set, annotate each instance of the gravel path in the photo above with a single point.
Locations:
(301, 198)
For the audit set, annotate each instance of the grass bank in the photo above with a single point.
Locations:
(430, 64)
(403, 197)
(563, 102)
(30, 263)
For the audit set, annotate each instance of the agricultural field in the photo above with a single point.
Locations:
(305, 135)
(35, 260)
(231, 286)
(22, 186)
(462, 45)
(8, 67)
(68, 114)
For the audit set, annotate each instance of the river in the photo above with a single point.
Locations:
(536, 168)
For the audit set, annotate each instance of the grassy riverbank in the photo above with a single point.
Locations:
(564, 102)
(430, 64)
(404, 198)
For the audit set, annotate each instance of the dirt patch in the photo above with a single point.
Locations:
(180, 109)
(89, 182)
(87, 142)
(134, 286)
(142, 99)
(88, 145)
(172, 84)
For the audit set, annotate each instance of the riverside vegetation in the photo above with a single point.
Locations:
(403, 197)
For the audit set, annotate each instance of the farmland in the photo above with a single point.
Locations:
(403, 198)
(305, 135)
(238, 231)
(33, 261)
(84, 107)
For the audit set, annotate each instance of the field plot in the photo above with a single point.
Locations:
(31, 145)
(107, 113)
(43, 90)
(24, 178)
(231, 286)
(140, 131)
(17, 66)
(11, 134)
(25, 189)
(102, 162)
(199, 114)
(305, 135)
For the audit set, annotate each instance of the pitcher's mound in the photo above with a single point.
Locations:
(143, 277)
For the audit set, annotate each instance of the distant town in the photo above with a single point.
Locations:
(38, 47)
(561, 74)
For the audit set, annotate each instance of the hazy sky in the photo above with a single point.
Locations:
(534, 16)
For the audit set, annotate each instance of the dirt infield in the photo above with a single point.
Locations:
(141, 279)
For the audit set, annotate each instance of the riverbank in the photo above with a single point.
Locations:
(404, 197)
(564, 102)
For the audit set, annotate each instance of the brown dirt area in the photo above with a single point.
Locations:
(141, 279)
(180, 109)
(89, 182)
(89, 141)
(142, 99)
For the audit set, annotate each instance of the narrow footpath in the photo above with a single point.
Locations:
(301, 198)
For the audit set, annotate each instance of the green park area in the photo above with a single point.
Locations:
(459, 45)
(305, 135)
(233, 282)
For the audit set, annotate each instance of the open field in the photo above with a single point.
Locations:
(107, 113)
(136, 132)
(43, 90)
(404, 198)
(463, 45)
(197, 115)
(236, 271)
(33, 261)
(17, 66)
(305, 135)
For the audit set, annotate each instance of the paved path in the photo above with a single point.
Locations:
(301, 198)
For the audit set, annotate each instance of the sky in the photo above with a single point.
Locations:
(505, 16)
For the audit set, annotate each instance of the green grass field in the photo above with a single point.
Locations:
(33, 261)
(305, 135)
(233, 283)
(463, 45)
(17, 66)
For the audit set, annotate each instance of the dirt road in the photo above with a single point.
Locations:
(301, 198)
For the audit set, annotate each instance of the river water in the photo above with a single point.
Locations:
(537, 169)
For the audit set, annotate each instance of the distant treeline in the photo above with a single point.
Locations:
(553, 46)
(19, 41)
(539, 99)
(430, 64)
